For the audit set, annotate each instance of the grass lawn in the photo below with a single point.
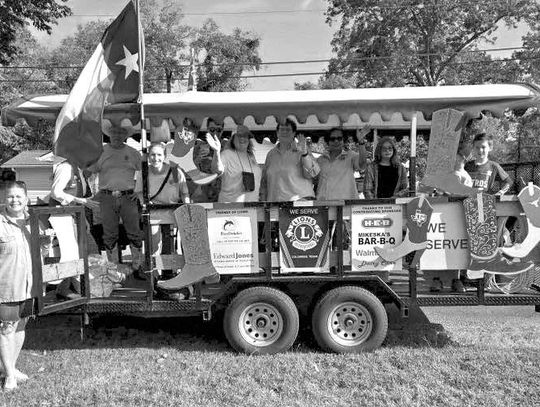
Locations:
(492, 359)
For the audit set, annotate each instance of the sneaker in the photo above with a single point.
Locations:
(457, 286)
(10, 383)
(436, 285)
(19, 376)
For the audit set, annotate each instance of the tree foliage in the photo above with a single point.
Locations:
(223, 57)
(167, 44)
(25, 76)
(22, 137)
(15, 14)
(418, 42)
(73, 51)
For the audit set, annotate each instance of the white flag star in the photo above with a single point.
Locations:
(129, 61)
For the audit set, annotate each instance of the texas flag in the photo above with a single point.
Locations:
(110, 76)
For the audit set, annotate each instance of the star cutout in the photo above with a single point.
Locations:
(129, 61)
(535, 203)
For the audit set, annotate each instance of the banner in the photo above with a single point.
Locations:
(303, 239)
(448, 243)
(233, 240)
(372, 226)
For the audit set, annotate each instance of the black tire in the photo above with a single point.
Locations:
(261, 320)
(349, 319)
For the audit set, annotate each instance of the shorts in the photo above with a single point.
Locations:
(19, 311)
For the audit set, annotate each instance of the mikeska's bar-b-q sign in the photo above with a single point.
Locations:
(303, 239)
(375, 226)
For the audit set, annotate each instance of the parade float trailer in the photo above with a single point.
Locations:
(343, 289)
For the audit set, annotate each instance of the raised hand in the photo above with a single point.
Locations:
(213, 142)
(362, 133)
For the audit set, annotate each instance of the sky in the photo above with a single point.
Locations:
(289, 30)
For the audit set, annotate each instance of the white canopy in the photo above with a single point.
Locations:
(386, 102)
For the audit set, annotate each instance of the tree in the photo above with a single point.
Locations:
(417, 42)
(74, 51)
(22, 137)
(15, 14)
(167, 44)
(25, 76)
(224, 57)
(328, 81)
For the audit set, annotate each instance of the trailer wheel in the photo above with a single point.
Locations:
(349, 319)
(261, 320)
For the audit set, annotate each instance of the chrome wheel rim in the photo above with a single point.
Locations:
(350, 324)
(260, 324)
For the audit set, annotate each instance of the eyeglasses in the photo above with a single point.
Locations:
(336, 138)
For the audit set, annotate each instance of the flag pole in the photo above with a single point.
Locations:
(144, 148)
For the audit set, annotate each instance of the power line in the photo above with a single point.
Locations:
(289, 74)
(226, 13)
(248, 12)
(290, 62)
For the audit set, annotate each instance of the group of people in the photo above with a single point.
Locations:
(290, 173)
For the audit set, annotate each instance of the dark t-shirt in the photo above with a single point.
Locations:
(484, 175)
(387, 181)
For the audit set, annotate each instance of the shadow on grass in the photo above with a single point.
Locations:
(109, 331)
(193, 334)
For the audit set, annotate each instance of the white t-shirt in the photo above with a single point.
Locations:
(232, 187)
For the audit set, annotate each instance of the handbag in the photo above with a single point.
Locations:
(248, 178)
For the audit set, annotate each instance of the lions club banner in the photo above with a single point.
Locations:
(303, 239)
(233, 240)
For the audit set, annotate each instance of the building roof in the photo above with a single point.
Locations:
(32, 158)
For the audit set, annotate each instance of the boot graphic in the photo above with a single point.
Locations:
(193, 227)
(481, 224)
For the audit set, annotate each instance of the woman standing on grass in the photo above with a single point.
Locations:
(16, 280)
(386, 177)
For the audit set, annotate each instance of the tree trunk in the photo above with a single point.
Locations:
(168, 76)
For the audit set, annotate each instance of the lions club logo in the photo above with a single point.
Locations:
(304, 233)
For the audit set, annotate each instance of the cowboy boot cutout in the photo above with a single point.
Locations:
(193, 227)
(446, 129)
(481, 225)
(448, 183)
(418, 214)
(530, 200)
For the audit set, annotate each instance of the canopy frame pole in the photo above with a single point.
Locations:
(147, 242)
(412, 157)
